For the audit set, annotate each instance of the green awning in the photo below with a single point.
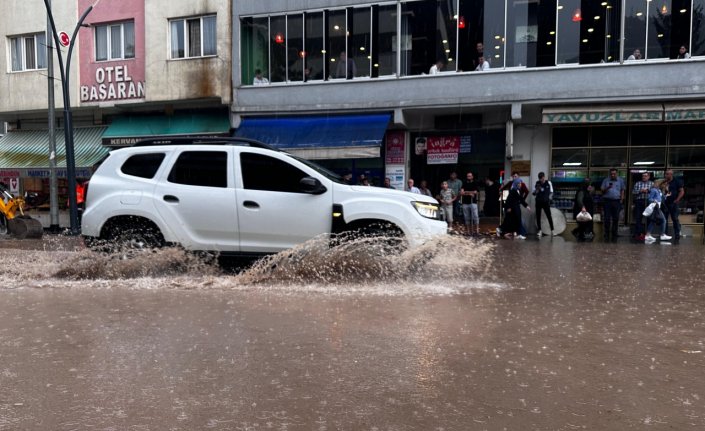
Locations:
(127, 130)
(22, 149)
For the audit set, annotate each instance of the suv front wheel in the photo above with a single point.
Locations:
(132, 233)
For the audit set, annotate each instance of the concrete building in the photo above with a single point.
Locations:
(570, 87)
(139, 69)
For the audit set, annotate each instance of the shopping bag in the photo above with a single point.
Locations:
(583, 216)
(650, 209)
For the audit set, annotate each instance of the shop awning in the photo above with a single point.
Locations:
(591, 114)
(320, 137)
(29, 149)
(127, 130)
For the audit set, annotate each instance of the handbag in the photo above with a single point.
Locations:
(650, 209)
(583, 216)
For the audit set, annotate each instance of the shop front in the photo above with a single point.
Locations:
(586, 142)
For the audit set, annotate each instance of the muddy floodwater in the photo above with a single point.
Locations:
(458, 335)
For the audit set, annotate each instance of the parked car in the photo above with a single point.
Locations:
(238, 196)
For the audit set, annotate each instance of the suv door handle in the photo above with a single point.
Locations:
(171, 198)
(250, 204)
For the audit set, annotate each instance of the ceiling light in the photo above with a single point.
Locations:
(552, 33)
(496, 56)
(447, 50)
(560, 7)
(639, 13)
(590, 30)
(323, 51)
(585, 41)
(362, 48)
(445, 41)
(376, 65)
(497, 36)
(684, 10)
(604, 3)
(660, 35)
(549, 43)
(644, 163)
(572, 164)
(597, 17)
(336, 27)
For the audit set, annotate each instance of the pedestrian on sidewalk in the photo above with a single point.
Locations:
(583, 202)
(612, 199)
(512, 212)
(674, 194)
(455, 184)
(448, 198)
(543, 191)
(641, 197)
(468, 196)
(656, 216)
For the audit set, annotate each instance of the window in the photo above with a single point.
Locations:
(698, 32)
(481, 33)
(28, 52)
(254, 48)
(142, 165)
(384, 48)
(295, 47)
(201, 168)
(193, 37)
(277, 48)
(337, 45)
(360, 22)
(575, 158)
(429, 34)
(115, 41)
(531, 33)
(314, 54)
(635, 29)
(261, 172)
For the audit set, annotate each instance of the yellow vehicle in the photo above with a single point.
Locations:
(13, 221)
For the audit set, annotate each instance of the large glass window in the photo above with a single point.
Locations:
(337, 45)
(531, 33)
(659, 29)
(686, 156)
(360, 40)
(609, 136)
(254, 48)
(650, 157)
(643, 135)
(570, 136)
(608, 157)
(570, 158)
(428, 32)
(688, 134)
(698, 33)
(295, 47)
(277, 48)
(480, 33)
(193, 37)
(570, 18)
(384, 45)
(314, 54)
(635, 29)
(595, 30)
(28, 52)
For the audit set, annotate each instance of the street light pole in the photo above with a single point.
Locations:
(68, 120)
(53, 183)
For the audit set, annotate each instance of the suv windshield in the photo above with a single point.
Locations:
(321, 170)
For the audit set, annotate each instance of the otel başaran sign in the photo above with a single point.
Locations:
(112, 83)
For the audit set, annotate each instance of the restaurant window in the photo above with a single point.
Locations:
(428, 35)
(531, 33)
(659, 29)
(28, 52)
(384, 48)
(295, 47)
(646, 135)
(486, 28)
(277, 48)
(570, 136)
(569, 158)
(193, 37)
(698, 32)
(314, 54)
(337, 45)
(115, 41)
(254, 48)
(635, 27)
(360, 40)
(609, 136)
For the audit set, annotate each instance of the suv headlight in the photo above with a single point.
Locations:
(427, 210)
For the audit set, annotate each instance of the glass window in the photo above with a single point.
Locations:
(201, 168)
(570, 136)
(698, 47)
(688, 134)
(115, 41)
(598, 36)
(254, 48)
(659, 29)
(635, 29)
(361, 40)
(608, 157)
(609, 136)
(337, 45)
(480, 34)
(277, 48)
(574, 158)
(531, 31)
(686, 156)
(295, 47)
(428, 32)
(314, 57)
(649, 157)
(257, 174)
(142, 165)
(568, 38)
(28, 52)
(648, 135)
(694, 187)
(384, 45)
(193, 37)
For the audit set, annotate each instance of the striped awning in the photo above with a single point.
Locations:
(28, 149)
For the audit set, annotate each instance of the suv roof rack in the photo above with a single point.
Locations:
(210, 140)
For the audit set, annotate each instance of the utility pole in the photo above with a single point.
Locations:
(53, 183)
(68, 120)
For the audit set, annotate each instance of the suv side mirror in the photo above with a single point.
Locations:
(312, 186)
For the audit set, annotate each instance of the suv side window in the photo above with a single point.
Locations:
(201, 168)
(260, 172)
(143, 165)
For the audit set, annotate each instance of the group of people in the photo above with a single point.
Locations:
(682, 54)
(480, 63)
(512, 225)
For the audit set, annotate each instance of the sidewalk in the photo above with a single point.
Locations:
(53, 242)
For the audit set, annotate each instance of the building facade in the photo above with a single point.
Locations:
(139, 69)
(567, 87)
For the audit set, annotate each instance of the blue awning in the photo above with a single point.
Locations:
(320, 137)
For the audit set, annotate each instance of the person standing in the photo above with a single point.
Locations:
(641, 195)
(543, 191)
(387, 183)
(423, 188)
(612, 198)
(674, 194)
(468, 196)
(447, 199)
(490, 208)
(455, 184)
(512, 212)
(583, 202)
(524, 192)
(411, 188)
(656, 198)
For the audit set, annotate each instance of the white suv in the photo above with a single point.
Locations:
(237, 196)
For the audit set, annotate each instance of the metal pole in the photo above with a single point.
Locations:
(53, 183)
(622, 19)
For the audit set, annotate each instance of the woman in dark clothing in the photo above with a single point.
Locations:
(583, 202)
(512, 218)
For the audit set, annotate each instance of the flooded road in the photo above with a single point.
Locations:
(461, 335)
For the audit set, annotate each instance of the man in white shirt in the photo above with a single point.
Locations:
(412, 188)
(482, 64)
(436, 68)
(259, 79)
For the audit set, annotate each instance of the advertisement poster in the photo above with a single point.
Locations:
(395, 148)
(442, 150)
(465, 144)
(396, 174)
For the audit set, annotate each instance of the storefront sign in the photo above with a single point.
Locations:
(685, 115)
(465, 144)
(9, 173)
(602, 117)
(522, 167)
(442, 150)
(396, 174)
(112, 83)
(121, 142)
(60, 173)
(14, 185)
(395, 148)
